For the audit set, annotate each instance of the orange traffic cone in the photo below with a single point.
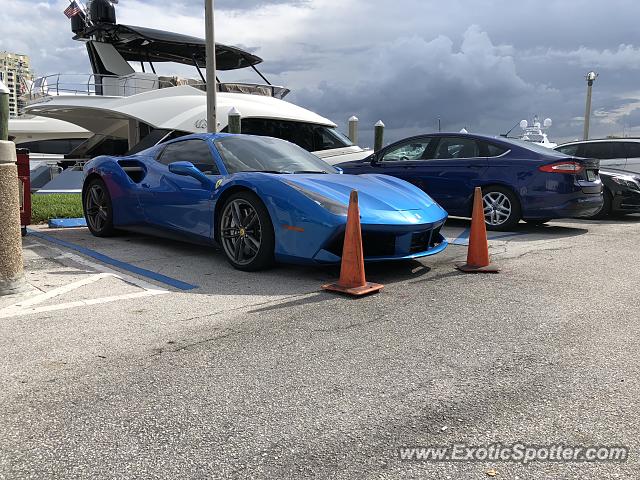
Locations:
(352, 280)
(478, 254)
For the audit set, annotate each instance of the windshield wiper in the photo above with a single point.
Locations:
(310, 171)
(261, 171)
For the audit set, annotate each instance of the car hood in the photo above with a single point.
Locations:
(375, 193)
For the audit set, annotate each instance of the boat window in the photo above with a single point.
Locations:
(60, 146)
(412, 150)
(195, 151)
(310, 136)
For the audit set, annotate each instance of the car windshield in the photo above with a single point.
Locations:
(248, 153)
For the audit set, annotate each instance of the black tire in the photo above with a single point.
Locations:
(514, 213)
(605, 211)
(98, 209)
(536, 221)
(251, 246)
(23, 231)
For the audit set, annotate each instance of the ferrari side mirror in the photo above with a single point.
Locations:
(189, 170)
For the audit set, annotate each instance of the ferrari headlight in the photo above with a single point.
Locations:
(329, 204)
(627, 181)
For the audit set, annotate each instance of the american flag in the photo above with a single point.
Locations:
(72, 10)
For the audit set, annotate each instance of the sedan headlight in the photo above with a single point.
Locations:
(627, 181)
(329, 204)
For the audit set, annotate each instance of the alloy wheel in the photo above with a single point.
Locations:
(97, 207)
(497, 208)
(241, 231)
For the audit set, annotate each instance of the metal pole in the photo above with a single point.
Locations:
(378, 135)
(353, 130)
(212, 123)
(591, 76)
(439, 126)
(4, 112)
(587, 111)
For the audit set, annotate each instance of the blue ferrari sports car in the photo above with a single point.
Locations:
(260, 199)
(519, 180)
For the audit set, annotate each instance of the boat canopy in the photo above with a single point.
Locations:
(142, 44)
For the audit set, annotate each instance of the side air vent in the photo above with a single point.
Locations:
(134, 169)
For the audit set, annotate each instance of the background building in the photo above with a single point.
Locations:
(15, 72)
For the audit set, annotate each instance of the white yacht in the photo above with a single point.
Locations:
(536, 132)
(127, 110)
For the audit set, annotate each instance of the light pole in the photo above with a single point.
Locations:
(212, 124)
(591, 76)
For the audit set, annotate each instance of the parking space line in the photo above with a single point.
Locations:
(79, 303)
(61, 290)
(158, 277)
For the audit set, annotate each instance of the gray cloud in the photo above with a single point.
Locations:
(233, 5)
(407, 63)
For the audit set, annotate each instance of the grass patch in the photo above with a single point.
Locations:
(63, 205)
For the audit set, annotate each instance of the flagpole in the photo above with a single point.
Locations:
(212, 124)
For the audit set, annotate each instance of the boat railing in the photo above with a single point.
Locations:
(132, 84)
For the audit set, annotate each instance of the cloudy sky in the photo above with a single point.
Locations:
(483, 65)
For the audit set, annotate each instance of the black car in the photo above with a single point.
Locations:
(621, 192)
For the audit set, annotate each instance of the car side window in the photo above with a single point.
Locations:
(632, 149)
(194, 151)
(571, 150)
(410, 151)
(457, 147)
(601, 150)
(491, 150)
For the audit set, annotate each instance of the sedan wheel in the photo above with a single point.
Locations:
(98, 210)
(246, 232)
(501, 208)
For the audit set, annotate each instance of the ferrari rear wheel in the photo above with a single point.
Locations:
(246, 232)
(98, 210)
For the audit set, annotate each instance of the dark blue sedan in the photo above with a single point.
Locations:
(519, 180)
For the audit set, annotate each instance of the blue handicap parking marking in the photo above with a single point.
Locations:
(158, 277)
(67, 222)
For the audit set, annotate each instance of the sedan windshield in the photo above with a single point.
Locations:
(248, 153)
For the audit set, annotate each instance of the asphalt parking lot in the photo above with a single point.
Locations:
(135, 357)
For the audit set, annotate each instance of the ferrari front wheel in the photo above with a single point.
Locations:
(98, 209)
(246, 232)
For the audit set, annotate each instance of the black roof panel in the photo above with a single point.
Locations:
(142, 44)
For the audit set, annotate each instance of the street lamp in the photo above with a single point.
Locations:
(590, 77)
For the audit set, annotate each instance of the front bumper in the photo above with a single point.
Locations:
(626, 201)
(388, 243)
